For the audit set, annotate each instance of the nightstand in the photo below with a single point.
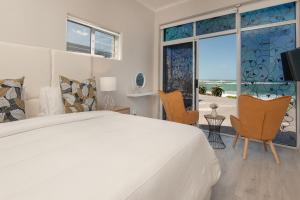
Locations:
(121, 109)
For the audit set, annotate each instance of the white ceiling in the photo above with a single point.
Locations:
(157, 5)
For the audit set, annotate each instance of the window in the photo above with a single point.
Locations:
(178, 32)
(216, 24)
(85, 38)
(261, 49)
(261, 67)
(279, 13)
(78, 38)
(178, 70)
(235, 52)
(105, 44)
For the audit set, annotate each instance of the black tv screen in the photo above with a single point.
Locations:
(291, 65)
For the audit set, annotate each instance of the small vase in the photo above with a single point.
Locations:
(214, 112)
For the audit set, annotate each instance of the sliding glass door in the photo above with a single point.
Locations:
(217, 78)
(235, 52)
(266, 33)
(217, 54)
(178, 71)
(179, 62)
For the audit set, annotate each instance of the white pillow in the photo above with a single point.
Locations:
(51, 101)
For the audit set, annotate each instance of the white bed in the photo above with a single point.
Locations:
(104, 155)
(94, 155)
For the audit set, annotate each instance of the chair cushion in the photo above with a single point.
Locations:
(78, 96)
(12, 107)
(261, 119)
(252, 123)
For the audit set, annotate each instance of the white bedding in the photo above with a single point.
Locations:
(104, 156)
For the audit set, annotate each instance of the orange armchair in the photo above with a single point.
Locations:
(175, 110)
(260, 120)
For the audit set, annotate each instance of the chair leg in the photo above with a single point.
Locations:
(245, 153)
(235, 140)
(274, 152)
(265, 146)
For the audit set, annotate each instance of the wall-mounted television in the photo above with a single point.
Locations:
(291, 65)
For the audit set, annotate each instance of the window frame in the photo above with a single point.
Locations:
(116, 54)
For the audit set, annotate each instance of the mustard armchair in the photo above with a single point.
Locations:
(175, 110)
(259, 120)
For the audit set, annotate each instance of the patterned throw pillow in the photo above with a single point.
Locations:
(78, 97)
(12, 107)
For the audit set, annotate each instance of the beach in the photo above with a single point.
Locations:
(226, 107)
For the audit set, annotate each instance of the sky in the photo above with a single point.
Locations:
(217, 58)
(79, 34)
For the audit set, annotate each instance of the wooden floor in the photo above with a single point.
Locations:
(258, 177)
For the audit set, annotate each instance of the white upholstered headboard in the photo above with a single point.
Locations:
(41, 68)
(32, 62)
(72, 65)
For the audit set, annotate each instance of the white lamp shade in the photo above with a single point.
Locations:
(108, 84)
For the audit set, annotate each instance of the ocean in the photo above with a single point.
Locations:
(264, 90)
(229, 87)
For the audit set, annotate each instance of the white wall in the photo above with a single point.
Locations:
(43, 23)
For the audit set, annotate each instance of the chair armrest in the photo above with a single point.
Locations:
(193, 113)
(236, 124)
(192, 117)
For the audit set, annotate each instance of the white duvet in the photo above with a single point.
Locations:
(104, 156)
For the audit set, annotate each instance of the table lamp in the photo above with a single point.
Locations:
(108, 85)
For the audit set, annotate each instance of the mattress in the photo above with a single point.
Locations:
(104, 156)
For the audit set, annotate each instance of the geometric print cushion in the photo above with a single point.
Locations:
(12, 107)
(78, 96)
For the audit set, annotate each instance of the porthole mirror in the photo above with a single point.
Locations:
(140, 80)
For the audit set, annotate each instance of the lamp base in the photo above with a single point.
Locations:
(109, 102)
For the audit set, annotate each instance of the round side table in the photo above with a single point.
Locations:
(214, 127)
